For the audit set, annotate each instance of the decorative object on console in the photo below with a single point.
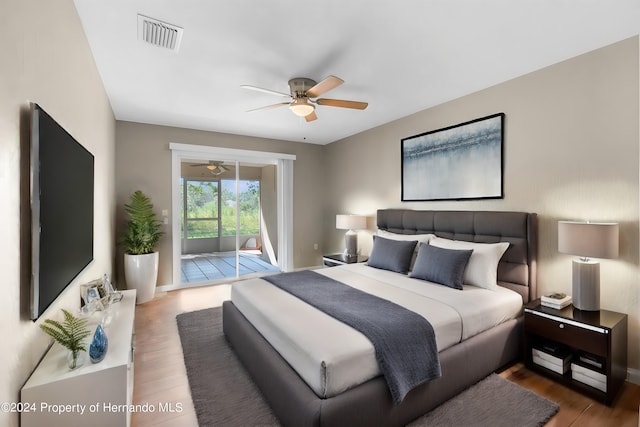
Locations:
(351, 223)
(99, 345)
(140, 238)
(111, 295)
(98, 295)
(463, 161)
(70, 334)
(587, 240)
(91, 296)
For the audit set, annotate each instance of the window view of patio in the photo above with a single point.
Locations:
(249, 201)
(201, 209)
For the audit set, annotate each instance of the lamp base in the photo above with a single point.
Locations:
(351, 243)
(586, 285)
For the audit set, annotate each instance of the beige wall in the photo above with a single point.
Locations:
(45, 59)
(143, 161)
(570, 152)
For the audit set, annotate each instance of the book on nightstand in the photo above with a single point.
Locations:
(557, 300)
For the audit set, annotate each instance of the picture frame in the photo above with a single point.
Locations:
(459, 162)
(90, 293)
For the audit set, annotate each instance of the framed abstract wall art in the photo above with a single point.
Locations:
(462, 161)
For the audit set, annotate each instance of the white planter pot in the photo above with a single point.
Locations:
(141, 274)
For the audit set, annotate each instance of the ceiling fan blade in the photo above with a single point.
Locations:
(259, 89)
(268, 107)
(326, 85)
(210, 165)
(311, 116)
(342, 103)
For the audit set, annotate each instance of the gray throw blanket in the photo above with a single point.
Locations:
(404, 341)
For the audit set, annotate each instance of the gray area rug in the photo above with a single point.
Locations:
(224, 395)
(493, 401)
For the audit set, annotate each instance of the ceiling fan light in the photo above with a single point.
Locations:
(301, 107)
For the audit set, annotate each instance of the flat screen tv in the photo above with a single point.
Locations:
(61, 209)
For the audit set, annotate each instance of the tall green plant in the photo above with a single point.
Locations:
(70, 333)
(143, 229)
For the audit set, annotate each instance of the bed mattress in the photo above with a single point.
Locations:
(330, 356)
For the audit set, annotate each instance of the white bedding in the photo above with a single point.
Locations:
(332, 357)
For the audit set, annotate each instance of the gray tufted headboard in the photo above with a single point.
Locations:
(517, 268)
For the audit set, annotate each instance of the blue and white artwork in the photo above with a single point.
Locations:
(458, 162)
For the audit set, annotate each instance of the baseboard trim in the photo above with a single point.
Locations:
(633, 375)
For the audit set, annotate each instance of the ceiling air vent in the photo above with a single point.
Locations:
(159, 33)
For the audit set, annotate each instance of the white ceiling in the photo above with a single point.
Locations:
(400, 56)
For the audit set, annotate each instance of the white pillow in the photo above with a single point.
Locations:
(421, 238)
(482, 269)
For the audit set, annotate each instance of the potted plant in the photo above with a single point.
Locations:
(141, 236)
(70, 334)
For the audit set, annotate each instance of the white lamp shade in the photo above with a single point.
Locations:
(588, 239)
(351, 222)
(301, 107)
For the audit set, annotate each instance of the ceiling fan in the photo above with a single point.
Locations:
(302, 91)
(214, 166)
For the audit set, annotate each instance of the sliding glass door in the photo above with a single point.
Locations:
(231, 214)
(222, 224)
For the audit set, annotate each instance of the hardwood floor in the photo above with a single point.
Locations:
(160, 376)
(576, 409)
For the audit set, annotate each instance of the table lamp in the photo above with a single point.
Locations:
(351, 223)
(587, 240)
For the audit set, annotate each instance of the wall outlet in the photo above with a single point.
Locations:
(315, 246)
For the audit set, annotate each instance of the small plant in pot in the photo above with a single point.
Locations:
(141, 236)
(70, 333)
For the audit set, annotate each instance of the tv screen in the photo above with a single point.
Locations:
(61, 209)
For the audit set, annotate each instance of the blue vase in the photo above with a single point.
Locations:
(99, 345)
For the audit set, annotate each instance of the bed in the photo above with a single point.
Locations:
(297, 401)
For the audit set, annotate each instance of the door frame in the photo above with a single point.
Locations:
(284, 170)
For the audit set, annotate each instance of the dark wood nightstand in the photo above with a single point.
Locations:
(601, 335)
(340, 259)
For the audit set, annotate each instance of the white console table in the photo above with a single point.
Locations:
(102, 390)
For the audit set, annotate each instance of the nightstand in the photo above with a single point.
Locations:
(341, 259)
(596, 337)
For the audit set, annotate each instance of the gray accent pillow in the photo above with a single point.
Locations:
(394, 255)
(440, 265)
